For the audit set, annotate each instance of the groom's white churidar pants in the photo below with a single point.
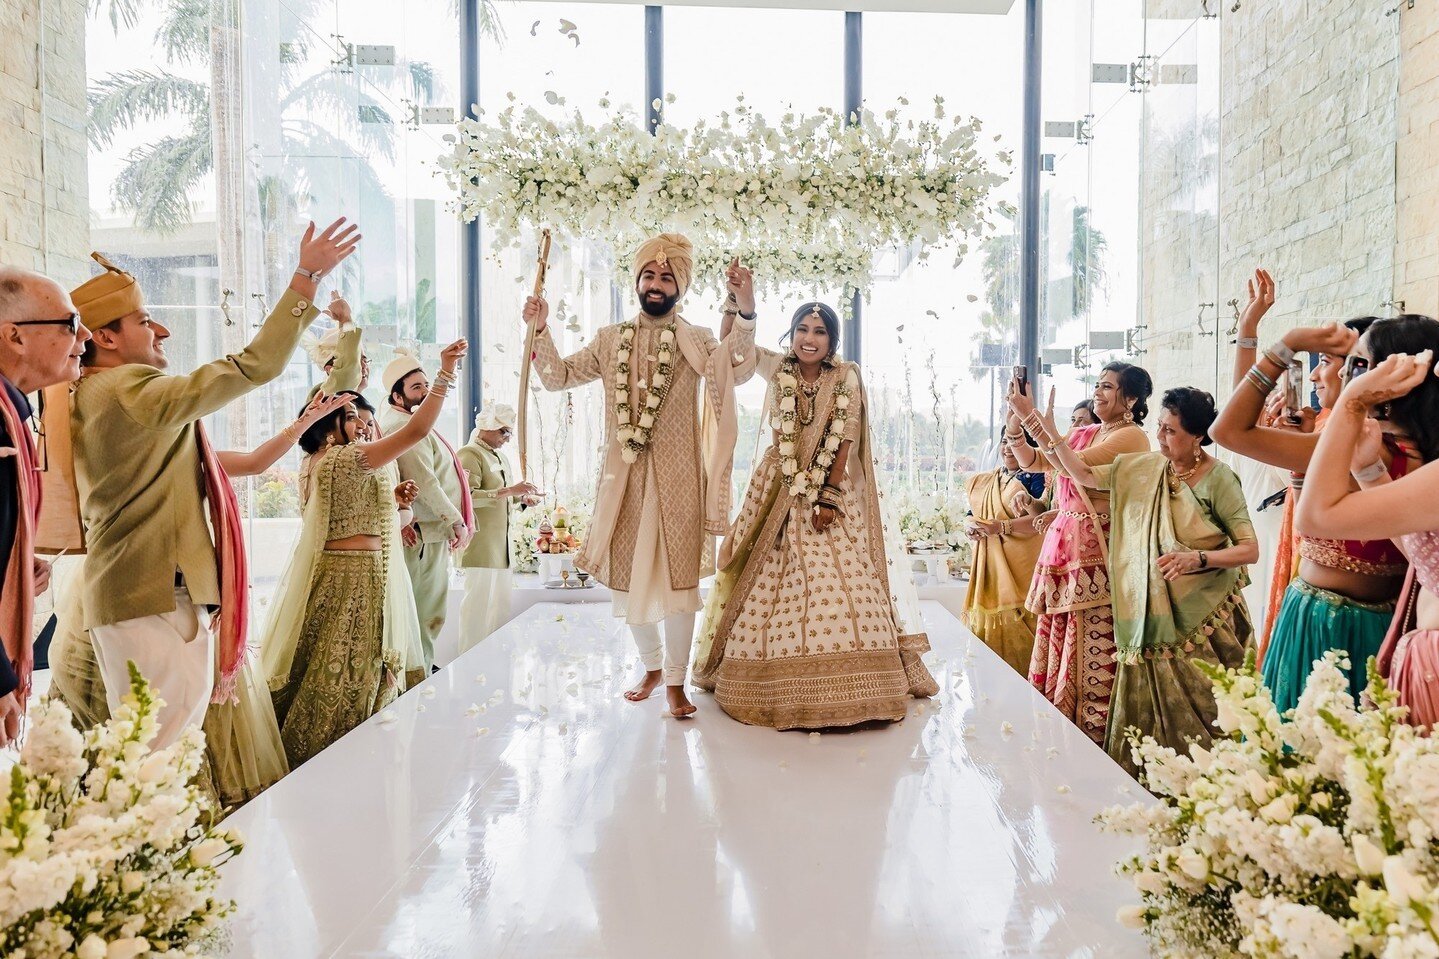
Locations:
(652, 600)
(173, 651)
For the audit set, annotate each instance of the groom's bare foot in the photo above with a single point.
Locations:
(648, 683)
(680, 705)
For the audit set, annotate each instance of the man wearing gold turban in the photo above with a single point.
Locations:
(147, 477)
(664, 491)
(486, 561)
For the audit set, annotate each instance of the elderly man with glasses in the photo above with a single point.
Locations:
(486, 560)
(41, 341)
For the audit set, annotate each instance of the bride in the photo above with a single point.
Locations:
(800, 631)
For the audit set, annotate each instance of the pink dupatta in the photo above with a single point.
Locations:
(233, 571)
(17, 595)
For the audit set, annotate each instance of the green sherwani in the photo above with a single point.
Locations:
(488, 471)
(345, 372)
(137, 469)
(437, 509)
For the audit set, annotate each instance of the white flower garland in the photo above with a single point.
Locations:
(807, 483)
(634, 432)
(811, 200)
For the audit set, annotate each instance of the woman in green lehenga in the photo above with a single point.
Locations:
(1180, 539)
(343, 631)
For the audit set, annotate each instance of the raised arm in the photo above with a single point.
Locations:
(1261, 298)
(158, 401)
(388, 448)
(347, 371)
(1237, 427)
(1384, 508)
(559, 372)
(262, 457)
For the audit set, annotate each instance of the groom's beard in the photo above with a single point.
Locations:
(658, 307)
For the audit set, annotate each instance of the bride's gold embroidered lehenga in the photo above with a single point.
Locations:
(800, 630)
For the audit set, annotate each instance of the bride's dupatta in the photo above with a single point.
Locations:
(749, 539)
(1154, 616)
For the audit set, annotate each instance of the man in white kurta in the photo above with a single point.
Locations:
(663, 491)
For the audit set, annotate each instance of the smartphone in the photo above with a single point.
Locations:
(1021, 373)
(1294, 388)
(1356, 365)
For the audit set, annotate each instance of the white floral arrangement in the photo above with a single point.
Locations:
(633, 431)
(812, 199)
(1311, 838)
(524, 532)
(807, 483)
(106, 848)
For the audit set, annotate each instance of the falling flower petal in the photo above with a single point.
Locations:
(1006, 728)
(430, 692)
(474, 710)
(1062, 790)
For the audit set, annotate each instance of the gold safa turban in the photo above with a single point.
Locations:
(103, 299)
(670, 251)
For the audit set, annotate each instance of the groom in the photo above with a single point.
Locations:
(663, 491)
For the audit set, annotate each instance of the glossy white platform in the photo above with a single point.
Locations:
(565, 822)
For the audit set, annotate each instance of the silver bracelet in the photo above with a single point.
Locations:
(1248, 342)
(1372, 472)
(1281, 352)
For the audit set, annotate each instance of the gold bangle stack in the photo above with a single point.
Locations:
(292, 432)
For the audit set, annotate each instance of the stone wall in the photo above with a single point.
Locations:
(44, 193)
(1416, 245)
(1305, 149)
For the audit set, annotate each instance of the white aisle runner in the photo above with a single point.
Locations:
(564, 822)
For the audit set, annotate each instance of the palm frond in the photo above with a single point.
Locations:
(123, 13)
(328, 94)
(184, 32)
(157, 178)
(121, 100)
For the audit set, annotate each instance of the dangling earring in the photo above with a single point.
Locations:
(1129, 415)
(1198, 455)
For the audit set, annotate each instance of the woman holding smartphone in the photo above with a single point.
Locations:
(1073, 658)
(1343, 596)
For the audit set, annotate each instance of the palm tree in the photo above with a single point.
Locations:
(1087, 247)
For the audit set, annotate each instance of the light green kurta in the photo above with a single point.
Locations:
(489, 471)
(137, 469)
(345, 372)
(428, 463)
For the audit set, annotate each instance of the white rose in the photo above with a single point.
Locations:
(92, 948)
(667, 337)
(659, 381)
(787, 427)
(841, 402)
(622, 383)
(1201, 756)
(647, 420)
(1260, 788)
(786, 404)
(1369, 856)
(1225, 718)
(1281, 810)
(127, 948)
(1193, 865)
(832, 442)
(154, 768)
(1151, 882)
(653, 401)
(786, 448)
(1131, 917)
(629, 455)
(624, 356)
(132, 882)
(1403, 886)
(205, 851)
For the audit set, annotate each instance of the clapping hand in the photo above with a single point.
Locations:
(320, 407)
(739, 281)
(1261, 298)
(451, 355)
(406, 494)
(339, 309)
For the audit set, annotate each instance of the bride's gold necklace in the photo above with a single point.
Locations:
(805, 402)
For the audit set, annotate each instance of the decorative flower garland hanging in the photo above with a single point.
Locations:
(807, 483)
(813, 199)
(632, 432)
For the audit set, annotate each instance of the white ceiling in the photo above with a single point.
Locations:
(878, 6)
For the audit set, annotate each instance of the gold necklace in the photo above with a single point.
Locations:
(1176, 477)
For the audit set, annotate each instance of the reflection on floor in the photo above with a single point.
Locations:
(518, 807)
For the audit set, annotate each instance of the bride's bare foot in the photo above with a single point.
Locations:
(680, 705)
(648, 683)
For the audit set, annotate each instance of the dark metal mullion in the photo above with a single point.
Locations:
(1029, 236)
(470, 255)
(853, 103)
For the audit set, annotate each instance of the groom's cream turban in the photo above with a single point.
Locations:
(670, 251)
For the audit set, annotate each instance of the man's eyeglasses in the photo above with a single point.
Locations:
(72, 321)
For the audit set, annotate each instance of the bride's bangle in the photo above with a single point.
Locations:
(1374, 471)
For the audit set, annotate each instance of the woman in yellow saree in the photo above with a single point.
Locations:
(1180, 539)
(1007, 529)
